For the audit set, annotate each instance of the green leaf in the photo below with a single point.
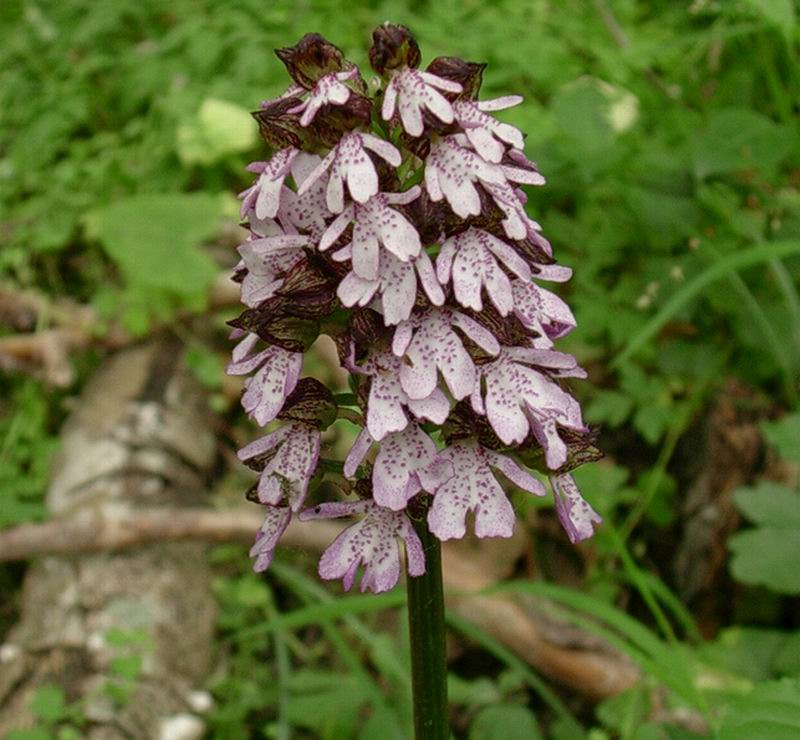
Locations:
(219, 129)
(665, 218)
(767, 556)
(127, 667)
(747, 652)
(737, 139)
(48, 704)
(381, 725)
(723, 267)
(626, 710)
(206, 366)
(769, 503)
(787, 660)
(770, 712)
(504, 723)
(780, 13)
(784, 435)
(610, 407)
(326, 703)
(155, 239)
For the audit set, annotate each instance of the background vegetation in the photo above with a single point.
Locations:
(668, 132)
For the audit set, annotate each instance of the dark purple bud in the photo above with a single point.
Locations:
(366, 327)
(291, 318)
(311, 58)
(581, 449)
(464, 423)
(467, 74)
(393, 47)
(427, 216)
(307, 291)
(509, 330)
(333, 122)
(279, 128)
(311, 403)
(292, 333)
(363, 487)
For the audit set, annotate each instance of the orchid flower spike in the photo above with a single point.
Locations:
(392, 218)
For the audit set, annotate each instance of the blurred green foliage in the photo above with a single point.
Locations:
(669, 136)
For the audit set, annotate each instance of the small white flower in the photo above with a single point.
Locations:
(372, 541)
(275, 523)
(410, 92)
(376, 225)
(541, 311)
(349, 162)
(473, 487)
(407, 463)
(451, 171)
(287, 459)
(487, 135)
(520, 398)
(329, 90)
(472, 259)
(429, 341)
(267, 260)
(396, 284)
(387, 404)
(277, 376)
(576, 515)
(264, 197)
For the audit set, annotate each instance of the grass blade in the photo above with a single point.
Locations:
(726, 266)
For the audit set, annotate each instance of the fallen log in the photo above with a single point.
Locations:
(139, 435)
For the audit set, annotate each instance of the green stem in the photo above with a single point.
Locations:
(426, 627)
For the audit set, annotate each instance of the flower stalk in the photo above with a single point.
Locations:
(427, 637)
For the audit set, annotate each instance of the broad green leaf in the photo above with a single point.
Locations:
(478, 693)
(582, 112)
(784, 435)
(206, 366)
(155, 239)
(611, 407)
(666, 219)
(787, 660)
(48, 703)
(769, 503)
(380, 725)
(219, 129)
(767, 556)
(127, 667)
(746, 652)
(737, 139)
(771, 711)
(656, 731)
(504, 723)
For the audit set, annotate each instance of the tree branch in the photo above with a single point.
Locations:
(70, 327)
